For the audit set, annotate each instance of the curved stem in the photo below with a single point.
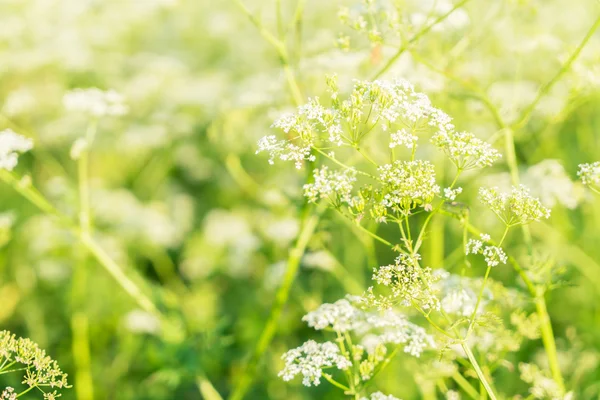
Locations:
(478, 371)
(416, 37)
(293, 263)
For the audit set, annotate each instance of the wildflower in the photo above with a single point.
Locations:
(408, 183)
(409, 282)
(333, 185)
(450, 194)
(309, 361)
(8, 394)
(459, 301)
(549, 180)
(465, 150)
(11, 144)
(403, 137)
(542, 386)
(379, 396)
(284, 150)
(590, 174)
(493, 255)
(95, 102)
(40, 369)
(514, 208)
(341, 316)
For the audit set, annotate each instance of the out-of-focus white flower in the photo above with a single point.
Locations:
(11, 144)
(379, 396)
(95, 102)
(139, 321)
(550, 182)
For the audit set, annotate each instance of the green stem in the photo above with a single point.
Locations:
(465, 385)
(478, 371)
(416, 37)
(564, 69)
(293, 263)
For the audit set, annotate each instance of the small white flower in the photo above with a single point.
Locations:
(11, 144)
(332, 185)
(590, 174)
(465, 150)
(95, 102)
(379, 396)
(450, 194)
(403, 137)
(309, 360)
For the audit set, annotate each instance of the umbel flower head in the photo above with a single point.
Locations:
(409, 282)
(11, 144)
(372, 106)
(514, 208)
(332, 185)
(39, 370)
(95, 102)
(408, 183)
(590, 174)
(309, 360)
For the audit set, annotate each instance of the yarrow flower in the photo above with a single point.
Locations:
(465, 150)
(333, 185)
(590, 174)
(514, 208)
(11, 144)
(408, 184)
(309, 360)
(40, 371)
(95, 102)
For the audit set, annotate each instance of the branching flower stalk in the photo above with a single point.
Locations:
(397, 192)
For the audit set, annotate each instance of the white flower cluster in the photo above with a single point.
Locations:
(542, 386)
(514, 208)
(493, 255)
(345, 316)
(11, 144)
(408, 183)
(340, 316)
(590, 174)
(379, 396)
(450, 194)
(333, 185)
(380, 102)
(549, 180)
(409, 282)
(459, 294)
(95, 102)
(40, 370)
(309, 360)
(403, 137)
(8, 394)
(284, 150)
(465, 150)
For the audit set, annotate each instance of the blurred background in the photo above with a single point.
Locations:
(204, 225)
